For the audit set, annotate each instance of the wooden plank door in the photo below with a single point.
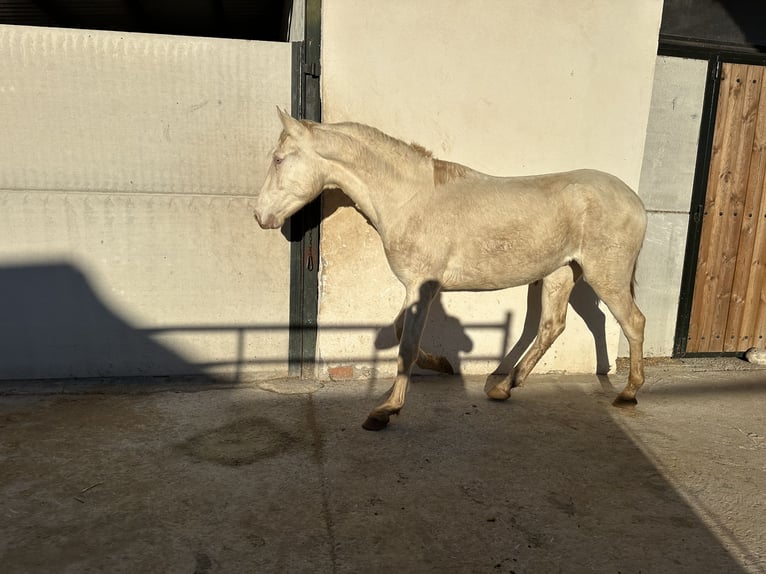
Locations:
(729, 302)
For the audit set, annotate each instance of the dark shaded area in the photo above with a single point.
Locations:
(735, 24)
(242, 19)
(53, 324)
(547, 482)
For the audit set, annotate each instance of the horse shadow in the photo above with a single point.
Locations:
(444, 335)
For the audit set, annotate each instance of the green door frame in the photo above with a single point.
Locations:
(303, 227)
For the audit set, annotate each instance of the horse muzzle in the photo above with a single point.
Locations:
(269, 221)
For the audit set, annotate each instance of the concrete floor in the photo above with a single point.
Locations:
(184, 476)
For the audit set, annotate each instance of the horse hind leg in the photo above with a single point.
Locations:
(618, 296)
(425, 360)
(632, 322)
(556, 289)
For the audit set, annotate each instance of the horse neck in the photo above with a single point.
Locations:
(377, 172)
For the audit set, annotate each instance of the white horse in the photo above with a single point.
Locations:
(447, 227)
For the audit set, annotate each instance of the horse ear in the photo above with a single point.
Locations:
(292, 126)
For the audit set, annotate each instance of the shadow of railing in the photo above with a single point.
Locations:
(54, 324)
(454, 345)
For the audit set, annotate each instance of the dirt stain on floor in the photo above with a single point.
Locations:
(241, 442)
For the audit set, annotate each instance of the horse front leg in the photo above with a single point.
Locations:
(417, 304)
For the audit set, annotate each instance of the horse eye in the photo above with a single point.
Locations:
(278, 160)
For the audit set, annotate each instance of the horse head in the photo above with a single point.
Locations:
(294, 175)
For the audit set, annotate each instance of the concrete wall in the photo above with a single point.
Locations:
(127, 242)
(509, 88)
(667, 176)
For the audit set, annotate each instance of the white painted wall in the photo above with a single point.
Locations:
(667, 177)
(508, 88)
(127, 242)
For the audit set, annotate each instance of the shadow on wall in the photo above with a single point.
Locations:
(53, 324)
(584, 302)
(445, 335)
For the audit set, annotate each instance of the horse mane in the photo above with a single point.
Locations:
(443, 171)
(447, 171)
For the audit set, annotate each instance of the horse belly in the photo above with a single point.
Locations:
(497, 264)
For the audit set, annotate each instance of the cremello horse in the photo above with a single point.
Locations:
(447, 227)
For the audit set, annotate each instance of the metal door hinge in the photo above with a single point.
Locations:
(312, 69)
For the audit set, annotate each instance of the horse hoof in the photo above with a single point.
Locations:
(375, 423)
(498, 394)
(624, 402)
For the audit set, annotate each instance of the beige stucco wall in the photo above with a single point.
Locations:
(508, 88)
(127, 242)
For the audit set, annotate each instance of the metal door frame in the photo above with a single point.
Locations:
(303, 227)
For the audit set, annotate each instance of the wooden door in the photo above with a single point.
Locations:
(729, 303)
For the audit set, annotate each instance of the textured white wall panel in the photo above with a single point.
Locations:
(94, 110)
(127, 242)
